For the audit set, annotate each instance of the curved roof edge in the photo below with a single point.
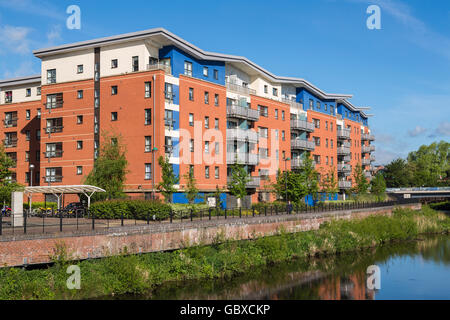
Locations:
(191, 49)
(20, 80)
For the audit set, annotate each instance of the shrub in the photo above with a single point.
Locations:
(130, 209)
(38, 205)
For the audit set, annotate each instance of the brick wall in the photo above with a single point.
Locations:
(37, 249)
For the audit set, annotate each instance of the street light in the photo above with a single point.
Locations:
(286, 177)
(31, 184)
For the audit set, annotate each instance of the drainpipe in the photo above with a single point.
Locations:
(154, 138)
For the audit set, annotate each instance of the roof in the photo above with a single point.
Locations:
(63, 189)
(21, 80)
(163, 37)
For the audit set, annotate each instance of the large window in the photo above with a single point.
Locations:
(206, 97)
(191, 94)
(148, 116)
(53, 174)
(135, 63)
(54, 101)
(51, 76)
(148, 89)
(168, 92)
(8, 96)
(148, 144)
(148, 171)
(263, 111)
(188, 68)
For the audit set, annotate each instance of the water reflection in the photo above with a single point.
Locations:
(408, 271)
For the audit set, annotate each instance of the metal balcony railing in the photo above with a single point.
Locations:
(10, 143)
(242, 135)
(255, 182)
(240, 89)
(50, 179)
(242, 158)
(365, 162)
(299, 144)
(365, 149)
(293, 103)
(367, 137)
(372, 148)
(344, 168)
(345, 184)
(343, 134)
(159, 66)
(372, 159)
(169, 123)
(243, 113)
(10, 123)
(296, 163)
(54, 105)
(54, 129)
(53, 154)
(302, 125)
(343, 151)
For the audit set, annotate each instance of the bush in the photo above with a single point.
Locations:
(130, 209)
(39, 205)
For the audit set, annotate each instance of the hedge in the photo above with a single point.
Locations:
(39, 205)
(130, 209)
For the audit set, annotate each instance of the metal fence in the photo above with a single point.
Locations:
(51, 222)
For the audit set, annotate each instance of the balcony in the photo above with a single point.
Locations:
(233, 87)
(255, 182)
(242, 158)
(343, 134)
(10, 143)
(54, 129)
(372, 159)
(365, 149)
(169, 123)
(242, 135)
(302, 125)
(365, 162)
(299, 144)
(53, 154)
(242, 113)
(10, 123)
(372, 148)
(159, 66)
(343, 151)
(368, 175)
(292, 103)
(344, 168)
(297, 163)
(345, 184)
(367, 137)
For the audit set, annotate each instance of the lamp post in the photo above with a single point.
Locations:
(286, 177)
(31, 184)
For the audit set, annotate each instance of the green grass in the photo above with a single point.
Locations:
(223, 259)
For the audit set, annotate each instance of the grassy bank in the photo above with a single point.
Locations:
(138, 274)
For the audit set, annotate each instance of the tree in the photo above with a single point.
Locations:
(110, 168)
(191, 189)
(378, 187)
(311, 177)
(329, 183)
(398, 174)
(6, 185)
(361, 183)
(168, 179)
(238, 182)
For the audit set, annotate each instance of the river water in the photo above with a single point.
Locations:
(417, 269)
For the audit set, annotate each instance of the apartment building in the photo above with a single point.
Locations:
(204, 111)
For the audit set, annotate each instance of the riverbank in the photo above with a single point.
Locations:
(143, 273)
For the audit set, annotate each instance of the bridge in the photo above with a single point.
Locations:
(424, 194)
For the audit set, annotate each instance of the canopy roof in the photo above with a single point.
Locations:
(63, 189)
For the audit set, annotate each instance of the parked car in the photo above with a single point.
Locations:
(75, 206)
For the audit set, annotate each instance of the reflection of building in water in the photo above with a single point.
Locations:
(352, 287)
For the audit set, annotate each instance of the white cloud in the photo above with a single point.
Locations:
(54, 35)
(24, 69)
(384, 156)
(417, 131)
(443, 129)
(40, 8)
(14, 39)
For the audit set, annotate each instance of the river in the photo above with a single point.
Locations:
(418, 269)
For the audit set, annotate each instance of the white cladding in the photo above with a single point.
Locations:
(19, 93)
(66, 66)
(266, 89)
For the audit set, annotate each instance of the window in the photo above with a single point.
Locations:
(51, 76)
(264, 153)
(216, 99)
(8, 96)
(331, 126)
(168, 92)
(39, 113)
(191, 145)
(263, 111)
(207, 172)
(316, 123)
(275, 92)
(283, 115)
(317, 159)
(206, 146)
(38, 91)
(191, 170)
(188, 68)
(80, 68)
(79, 145)
(326, 160)
(216, 124)
(114, 63)
(28, 135)
(283, 155)
(27, 156)
(217, 148)
(79, 171)
(205, 71)
(191, 94)
(276, 114)
(169, 121)
(332, 161)
(148, 89)
(206, 122)
(54, 101)
(318, 105)
(326, 143)
(263, 132)
(276, 134)
(206, 97)
(80, 94)
(28, 115)
(148, 116)
(283, 135)
(148, 144)
(79, 119)
(311, 104)
(113, 141)
(317, 141)
(113, 116)
(191, 119)
(113, 90)
(266, 88)
(148, 171)
(326, 125)
(216, 74)
(326, 107)
(28, 92)
(216, 172)
(135, 63)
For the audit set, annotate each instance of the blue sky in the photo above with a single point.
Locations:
(402, 71)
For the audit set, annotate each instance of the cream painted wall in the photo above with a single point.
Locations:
(66, 66)
(19, 93)
(258, 84)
